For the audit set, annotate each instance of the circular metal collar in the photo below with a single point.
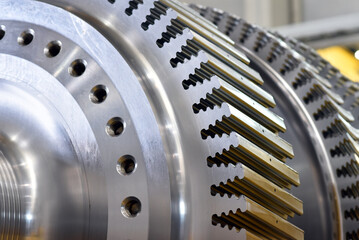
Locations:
(67, 66)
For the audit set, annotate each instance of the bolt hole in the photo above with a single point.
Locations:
(26, 37)
(112, 1)
(126, 165)
(98, 94)
(53, 49)
(115, 127)
(131, 207)
(77, 67)
(2, 31)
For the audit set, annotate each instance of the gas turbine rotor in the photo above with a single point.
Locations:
(136, 120)
(323, 97)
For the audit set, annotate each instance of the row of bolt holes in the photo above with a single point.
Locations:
(126, 165)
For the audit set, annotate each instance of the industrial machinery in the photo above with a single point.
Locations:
(322, 96)
(140, 119)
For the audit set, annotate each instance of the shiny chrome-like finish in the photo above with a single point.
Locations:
(54, 139)
(47, 186)
(135, 28)
(311, 158)
(152, 126)
(327, 146)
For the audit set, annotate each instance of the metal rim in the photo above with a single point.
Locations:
(89, 65)
(187, 185)
(285, 60)
(221, 112)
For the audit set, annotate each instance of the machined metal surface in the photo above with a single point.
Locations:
(296, 71)
(141, 120)
(136, 120)
(76, 127)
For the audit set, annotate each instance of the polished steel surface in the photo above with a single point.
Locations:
(141, 121)
(103, 188)
(347, 170)
(46, 159)
(326, 148)
(149, 55)
(311, 159)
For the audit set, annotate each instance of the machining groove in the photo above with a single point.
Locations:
(161, 122)
(307, 73)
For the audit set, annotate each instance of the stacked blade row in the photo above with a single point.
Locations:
(326, 93)
(249, 177)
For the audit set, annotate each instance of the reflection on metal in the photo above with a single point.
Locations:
(321, 95)
(140, 120)
(136, 120)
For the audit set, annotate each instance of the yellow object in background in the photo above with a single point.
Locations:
(343, 59)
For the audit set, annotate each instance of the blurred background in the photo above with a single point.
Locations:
(330, 26)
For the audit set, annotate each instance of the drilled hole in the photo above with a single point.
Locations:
(131, 207)
(115, 127)
(112, 1)
(126, 165)
(77, 67)
(53, 49)
(26, 37)
(2, 31)
(98, 94)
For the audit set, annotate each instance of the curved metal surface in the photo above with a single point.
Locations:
(348, 90)
(311, 158)
(104, 66)
(187, 141)
(48, 200)
(341, 145)
(137, 40)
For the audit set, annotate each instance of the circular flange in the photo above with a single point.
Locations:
(46, 156)
(220, 137)
(62, 62)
